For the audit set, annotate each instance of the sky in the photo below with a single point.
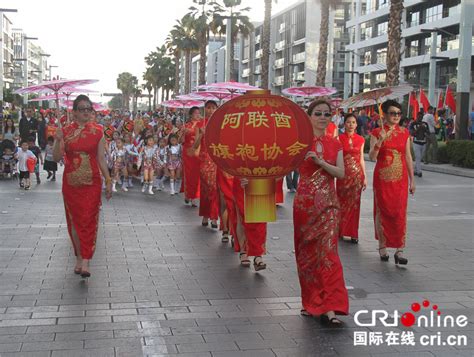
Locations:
(102, 38)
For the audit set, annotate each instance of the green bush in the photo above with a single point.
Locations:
(461, 153)
(442, 154)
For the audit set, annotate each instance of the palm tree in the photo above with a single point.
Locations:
(266, 42)
(323, 44)
(240, 23)
(126, 83)
(172, 45)
(148, 86)
(394, 42)
(183, 37)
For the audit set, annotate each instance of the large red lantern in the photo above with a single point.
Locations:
(259, 136)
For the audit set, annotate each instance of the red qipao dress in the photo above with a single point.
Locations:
(190, 162)
(256, 233)
(316, 231)
(209, 198)
(225, 183)
(391, 188)
(349, 188)
(82, 184)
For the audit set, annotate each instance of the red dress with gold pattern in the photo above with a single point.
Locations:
(256, 233)
(82, 184)
(190, 162)
(209, 199)
(391, 188)
(316, 232)
(349, 188)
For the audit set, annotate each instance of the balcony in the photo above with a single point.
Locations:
(282, 28)
(299, 57)
(279, 80)
(245, 72)
(257, 39)
(259, 53)
(279, 63)
(280, 45)
(300, 76)
(258, 69)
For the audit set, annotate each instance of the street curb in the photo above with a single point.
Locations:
(442, 169)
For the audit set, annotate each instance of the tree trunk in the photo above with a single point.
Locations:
(394, 42)
(149, 100)
(176, 75)
(187, 73)
(323, 44)
(167, 94)
(155, 99)
(162, 95)
(202, 62)
(266, 43)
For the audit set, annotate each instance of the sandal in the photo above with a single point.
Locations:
(385, 257)
(77, 271)
(331, 322)
(259, 265)
(303, 312)
(355, 240)
(225, 237)
(214, 224)
(244, 260)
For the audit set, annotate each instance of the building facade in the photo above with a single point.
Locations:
(294, 46)
(368, 26)
(7, 52)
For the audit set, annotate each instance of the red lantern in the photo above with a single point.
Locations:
(259, 136)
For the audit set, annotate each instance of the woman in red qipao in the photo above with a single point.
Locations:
(191, 158)
(393, 178)
(209, 198)
(316, 223)
(83, 146)
(251, 237)
(350, 187)
(225, 183)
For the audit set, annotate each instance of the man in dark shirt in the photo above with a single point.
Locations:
(362, 121)
(419, 131)
(28, 125)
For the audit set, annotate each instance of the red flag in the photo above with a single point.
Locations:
(440, 101)
(415, 106)
(450, 101)
(424, 100)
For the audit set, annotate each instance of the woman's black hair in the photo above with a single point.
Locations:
(81, 98)
(316, 103)
(50, 138)
(390, 103)
(210, 101)
(349, 115)
(12, 130)
(192, 109)
(148, 138)
(170, 137)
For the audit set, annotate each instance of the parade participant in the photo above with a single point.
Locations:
(161, 169)
(209, 200)
(82, 143)
(50, 165)
(225, 183)
(109, 129)
(393, 178)
(174, 157)
(119, 166)
(316, 223)
(149, 160)
(332, 130)
(191, 158)
(350, 187)
(250, 237)
(130, 158)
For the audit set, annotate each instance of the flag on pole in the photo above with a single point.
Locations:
(424, 100)
(414, 105)
(450, 101)
(440, 101)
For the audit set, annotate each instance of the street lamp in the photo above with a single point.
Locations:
(1, 63)
(49, 69)
(25, 68)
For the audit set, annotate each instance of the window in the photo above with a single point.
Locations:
(366, 30)
(414, 19)
(413, 48)
(368, 57)
(382, 55)
(434, 13)
(427, 49)
(380, 78)
(382, 3)
(382, 28)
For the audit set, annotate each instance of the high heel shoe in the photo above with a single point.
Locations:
(259, 265)
(384, 257)
(214, 224)
(400, 260)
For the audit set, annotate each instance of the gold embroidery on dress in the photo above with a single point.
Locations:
(378, 223)
(82, 171)
(393, 170)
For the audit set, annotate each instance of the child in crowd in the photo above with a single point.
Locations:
(119, 165)
(149, 163)
(50, 165)
(22, 156)
(174, 163)
(161, 170)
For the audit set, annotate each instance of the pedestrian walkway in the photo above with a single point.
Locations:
(164, 285)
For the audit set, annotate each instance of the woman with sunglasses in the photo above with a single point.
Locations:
(83, 145)
(316, 223)
(349, 188)
(393, 178)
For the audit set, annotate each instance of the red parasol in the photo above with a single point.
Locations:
(178, 103)
(308, 91)
(376, 96)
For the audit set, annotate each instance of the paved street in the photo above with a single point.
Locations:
(161, 284)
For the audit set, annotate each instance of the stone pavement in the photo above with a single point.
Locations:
(163, 285)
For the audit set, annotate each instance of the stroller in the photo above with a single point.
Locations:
(8, 164)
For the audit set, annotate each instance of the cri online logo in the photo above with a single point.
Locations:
(408, 319)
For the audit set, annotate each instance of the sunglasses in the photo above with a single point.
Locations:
(395, 114)
(85, 110)
(326, 114)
